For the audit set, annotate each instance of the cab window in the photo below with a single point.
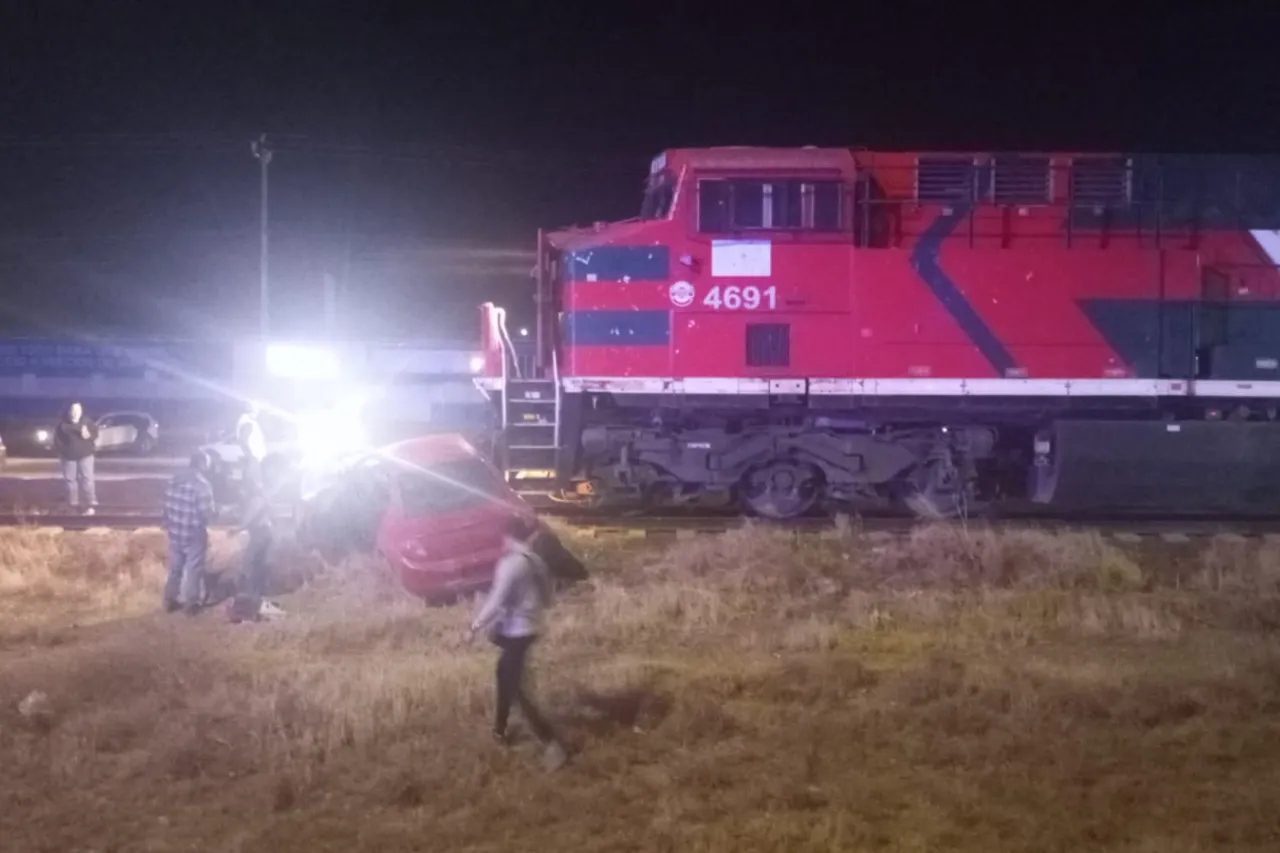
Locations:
(659, 193)
(727, 205)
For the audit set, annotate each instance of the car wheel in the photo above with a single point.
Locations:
(144, 444)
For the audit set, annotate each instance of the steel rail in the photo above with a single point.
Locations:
(685, 527)
(1121, 527)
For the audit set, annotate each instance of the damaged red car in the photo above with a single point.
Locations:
(432, 508)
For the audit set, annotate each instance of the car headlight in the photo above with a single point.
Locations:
(322, 442)
(42, 435)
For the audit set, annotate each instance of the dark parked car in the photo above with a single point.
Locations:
(130, 432)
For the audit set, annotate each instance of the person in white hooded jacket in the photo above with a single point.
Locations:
(512, 613)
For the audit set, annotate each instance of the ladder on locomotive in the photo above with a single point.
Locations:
(530, 412)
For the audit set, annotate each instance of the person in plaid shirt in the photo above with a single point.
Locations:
(188, 509)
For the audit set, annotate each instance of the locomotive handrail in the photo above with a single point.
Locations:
(502, 393)
(555, 375)
(509, 348)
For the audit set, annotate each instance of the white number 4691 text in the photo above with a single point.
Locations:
(734, 298)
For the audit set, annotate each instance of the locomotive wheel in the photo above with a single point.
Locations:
(940, 491)
(781, 489)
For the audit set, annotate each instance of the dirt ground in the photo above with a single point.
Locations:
(956, 690)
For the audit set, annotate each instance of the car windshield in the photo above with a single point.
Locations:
(448, 486)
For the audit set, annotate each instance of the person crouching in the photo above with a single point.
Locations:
(188, 510)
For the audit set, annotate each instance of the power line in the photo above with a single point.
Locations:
(300, 144)
(445, 250)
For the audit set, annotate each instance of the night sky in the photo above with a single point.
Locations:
(420, 145)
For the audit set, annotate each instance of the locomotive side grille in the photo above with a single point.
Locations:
(1100, 180)
(768, 344)
(1020, 180)
(944, 180)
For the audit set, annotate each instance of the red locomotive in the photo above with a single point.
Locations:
(789, 327)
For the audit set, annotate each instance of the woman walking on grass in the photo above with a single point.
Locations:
(512, 613)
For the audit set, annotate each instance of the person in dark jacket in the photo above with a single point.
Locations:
(75, 441)
(249, 604)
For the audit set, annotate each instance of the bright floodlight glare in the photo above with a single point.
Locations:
(477, 363)
(290, 361)
(524, 333)
(328, 435)
(324, 442)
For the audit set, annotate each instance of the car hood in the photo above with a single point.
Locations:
(481, 514)
(453, 533)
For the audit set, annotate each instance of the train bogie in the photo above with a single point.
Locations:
(787, 466)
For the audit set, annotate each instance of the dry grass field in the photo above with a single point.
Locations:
(954, 690)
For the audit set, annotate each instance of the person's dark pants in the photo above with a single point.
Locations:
(184, 584)
(254, 570)
(511, 664)
(247, 604)
(255, 561)
(77, 476)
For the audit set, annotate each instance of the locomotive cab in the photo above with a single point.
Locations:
(589, 283)
(732, 248)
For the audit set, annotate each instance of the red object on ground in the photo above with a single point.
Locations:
(442, 530)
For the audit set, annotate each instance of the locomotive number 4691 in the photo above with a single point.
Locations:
(734, 298)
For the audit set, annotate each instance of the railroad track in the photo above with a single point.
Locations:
(1127, 527)
(1171, 530)
(114, 517)
(98, 521)
(119, 517)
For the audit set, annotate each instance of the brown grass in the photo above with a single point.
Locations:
(954, 690)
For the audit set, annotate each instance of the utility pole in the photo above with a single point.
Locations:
(263, 152)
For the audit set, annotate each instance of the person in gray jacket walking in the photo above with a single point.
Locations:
(513, 615)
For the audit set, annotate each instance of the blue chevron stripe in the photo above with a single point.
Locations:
(924, 259)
